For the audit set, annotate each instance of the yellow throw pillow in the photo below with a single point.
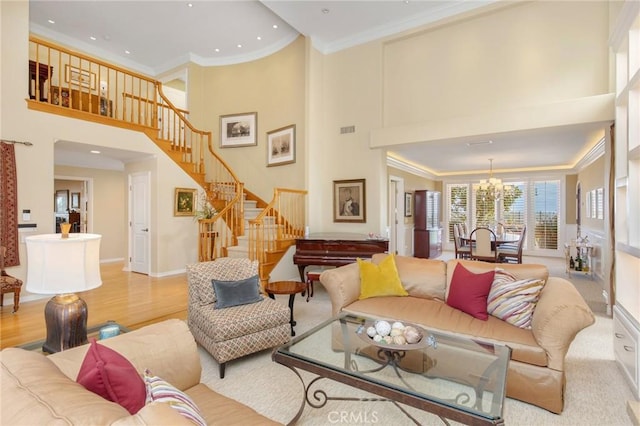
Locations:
(381, 279)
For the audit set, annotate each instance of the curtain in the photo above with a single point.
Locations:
(9, 204)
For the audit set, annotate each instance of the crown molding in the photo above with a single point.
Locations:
(405, 166)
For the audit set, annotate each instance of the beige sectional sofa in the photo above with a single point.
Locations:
(41, 390)
(537, 367)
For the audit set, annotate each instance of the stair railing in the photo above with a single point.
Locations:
(278, 225)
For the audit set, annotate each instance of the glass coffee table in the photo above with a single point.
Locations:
(453, 377)
(92, 331)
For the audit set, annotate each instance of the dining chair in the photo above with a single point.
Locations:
(462, 251)
(483, 245)
(512, 253)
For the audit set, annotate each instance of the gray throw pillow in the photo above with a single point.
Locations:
(234, 293)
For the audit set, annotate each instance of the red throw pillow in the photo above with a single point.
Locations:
(468, 291)
(110, 375)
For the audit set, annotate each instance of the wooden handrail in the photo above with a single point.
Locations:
(281, 222)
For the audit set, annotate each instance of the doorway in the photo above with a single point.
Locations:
(397, 240)
(73, 203)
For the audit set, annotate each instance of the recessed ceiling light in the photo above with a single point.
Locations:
(93, 151)
(258, 38)
(217, 50)
(93, 38)
(51, 21)
(189, 4)
(239, 45)
(127, 52)
(325, 10)
(275, 26)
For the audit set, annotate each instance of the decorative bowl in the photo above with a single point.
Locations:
(426, 339)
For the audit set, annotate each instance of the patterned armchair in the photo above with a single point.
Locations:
(232, 332)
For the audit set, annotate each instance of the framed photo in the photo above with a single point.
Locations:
(238, 130)
(75, 200)
(185, 202)
(349, 203)
(281, 146)
(408, 204)
(80, 77)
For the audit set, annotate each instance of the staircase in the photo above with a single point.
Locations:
(244, 226)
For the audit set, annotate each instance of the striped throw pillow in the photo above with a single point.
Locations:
(161, 391)
(513, 300)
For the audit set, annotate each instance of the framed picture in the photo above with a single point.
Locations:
(238, 130)
(281, 146)
(75, 200)
(349, 203)
(80, 77)
(185, 202)
(61, 201)
(408, 204)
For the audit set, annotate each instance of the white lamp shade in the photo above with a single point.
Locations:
(57, 265)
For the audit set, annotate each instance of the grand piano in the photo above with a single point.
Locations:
(335, 249)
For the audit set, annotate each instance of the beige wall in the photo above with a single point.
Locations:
(274, 88)
(512, 69)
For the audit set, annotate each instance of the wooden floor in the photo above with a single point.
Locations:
(131, 299)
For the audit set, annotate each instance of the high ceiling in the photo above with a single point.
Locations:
(160, 35)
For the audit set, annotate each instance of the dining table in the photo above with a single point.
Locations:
(504, 238)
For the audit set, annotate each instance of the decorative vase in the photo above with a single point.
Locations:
(65, 228)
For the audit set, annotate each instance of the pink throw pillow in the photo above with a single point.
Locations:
(468, 291)
(110, 375)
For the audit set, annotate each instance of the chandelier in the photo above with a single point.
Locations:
(491, 189)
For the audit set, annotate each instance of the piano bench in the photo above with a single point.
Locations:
(311, 277)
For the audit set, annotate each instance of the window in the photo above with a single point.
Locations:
(535, 204)
(514, 206)
(546, 207)
(457, 195)
(600, 202)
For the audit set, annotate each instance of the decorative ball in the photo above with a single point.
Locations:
(371, 331)
(377, 338)
(397, 325)
(383, 328)
(395, 332)
(412, 334)
(399, 340)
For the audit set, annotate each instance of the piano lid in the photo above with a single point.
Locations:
(340, 236)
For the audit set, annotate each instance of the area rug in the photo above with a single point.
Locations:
(596, 393)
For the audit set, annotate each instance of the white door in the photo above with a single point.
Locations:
(139, 222)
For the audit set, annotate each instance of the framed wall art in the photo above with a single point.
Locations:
(349, 203)
(75, 200)
(185, 202)
(408, 204)
(281, 146)
(80, 77)
(238, 130)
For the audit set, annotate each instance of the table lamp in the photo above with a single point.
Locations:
(63, 266)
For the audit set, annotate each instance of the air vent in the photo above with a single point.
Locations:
(347, 129)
